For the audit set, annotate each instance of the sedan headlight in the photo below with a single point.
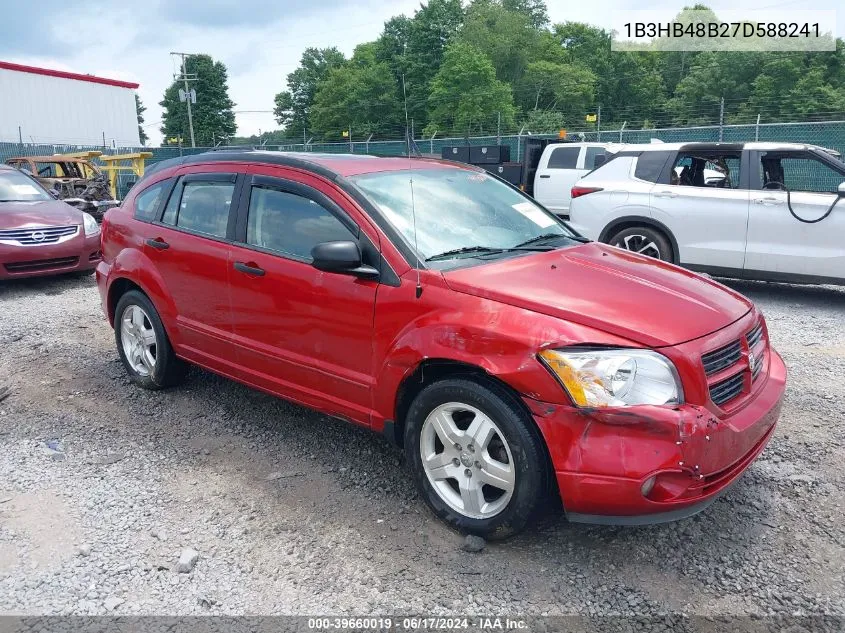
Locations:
(615, 377)
(90, 225)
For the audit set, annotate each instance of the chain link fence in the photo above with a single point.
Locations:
(830, 134)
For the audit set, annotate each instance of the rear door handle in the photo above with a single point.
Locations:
(249, 269)
(158, 243)
(665, 194)
(767, 200)
(545, 176)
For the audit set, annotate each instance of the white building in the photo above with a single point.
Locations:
(40, 105)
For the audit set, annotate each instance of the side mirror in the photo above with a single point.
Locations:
(841, 189)
(342, 257)
(53, 194)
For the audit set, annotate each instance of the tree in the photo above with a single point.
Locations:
(568, 88)
(357, 96)
(534, 10)
(465, 95)
(629, 86)
(140, 109)
(429, 33)
(506, 37)
(293, 106)
(213, 117)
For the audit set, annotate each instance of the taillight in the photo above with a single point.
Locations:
(577, 192)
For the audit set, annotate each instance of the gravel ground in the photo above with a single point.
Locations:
(103, 488)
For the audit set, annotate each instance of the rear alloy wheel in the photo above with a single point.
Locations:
(143, 344)
(645, 241)
(477, 457)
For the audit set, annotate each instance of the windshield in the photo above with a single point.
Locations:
(18, 187)
(461, 213)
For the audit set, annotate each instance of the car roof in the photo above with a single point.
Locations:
(329, 165)
(704, 147)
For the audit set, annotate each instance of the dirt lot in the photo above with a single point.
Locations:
(102, 487)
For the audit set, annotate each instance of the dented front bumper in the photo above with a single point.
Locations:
(647, 464)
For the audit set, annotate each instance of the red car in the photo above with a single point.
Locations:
(40, 235)
(434, 303)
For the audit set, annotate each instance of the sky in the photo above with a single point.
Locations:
(260, 41)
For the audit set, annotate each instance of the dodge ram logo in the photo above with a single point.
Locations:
(38, 236)
(751, 362)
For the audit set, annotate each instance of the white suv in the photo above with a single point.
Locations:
(772, 211)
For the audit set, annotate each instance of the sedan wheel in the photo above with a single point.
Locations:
(138, 339)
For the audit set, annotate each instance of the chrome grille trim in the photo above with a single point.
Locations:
(721, 358)
(36, 236)
(727, 389)
(754, 336)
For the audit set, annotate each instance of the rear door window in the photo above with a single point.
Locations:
(201, 206)
(564, 158)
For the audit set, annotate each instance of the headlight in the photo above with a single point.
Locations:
(615, 377)
(90, 225)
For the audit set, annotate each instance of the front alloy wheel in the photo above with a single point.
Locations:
(476, 455)
(467, 460)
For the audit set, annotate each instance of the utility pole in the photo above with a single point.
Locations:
(189, 95)
(721, 119)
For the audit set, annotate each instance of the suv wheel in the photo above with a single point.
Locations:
(477, 458)
(143, 344)
(644, 240)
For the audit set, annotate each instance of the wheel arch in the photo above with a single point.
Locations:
(628, 221)
(432, 370)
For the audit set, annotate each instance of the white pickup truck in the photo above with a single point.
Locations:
(551, 167)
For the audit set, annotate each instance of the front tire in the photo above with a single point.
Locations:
(476, 456)
(143, 345)
(645, 241)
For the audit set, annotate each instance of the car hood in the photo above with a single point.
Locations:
(22, 215)
(642, 299)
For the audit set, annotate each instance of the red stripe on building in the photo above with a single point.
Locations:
(48, 72)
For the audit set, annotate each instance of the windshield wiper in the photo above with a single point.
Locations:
(549, 236)
(465, 249)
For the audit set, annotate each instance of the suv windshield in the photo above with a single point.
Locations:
(18, 187)
(461, 213)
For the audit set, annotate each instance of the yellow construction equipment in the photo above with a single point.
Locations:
(112, 166)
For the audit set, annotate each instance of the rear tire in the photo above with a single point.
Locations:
(143, 345)
(477, 458)
(645, 241)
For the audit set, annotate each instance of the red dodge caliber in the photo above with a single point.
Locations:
(434, 303)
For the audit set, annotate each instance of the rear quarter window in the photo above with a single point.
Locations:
(650, 165)
(147, 202)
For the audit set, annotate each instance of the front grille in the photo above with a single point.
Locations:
(41, 264)
(747, 354)
(758, 365)
(33, 237)
(726, 389)
(721, 358)
(754, 336)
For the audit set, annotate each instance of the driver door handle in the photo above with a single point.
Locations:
(767, 201)
(158, 243)
(249, 269)
(665, 194)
